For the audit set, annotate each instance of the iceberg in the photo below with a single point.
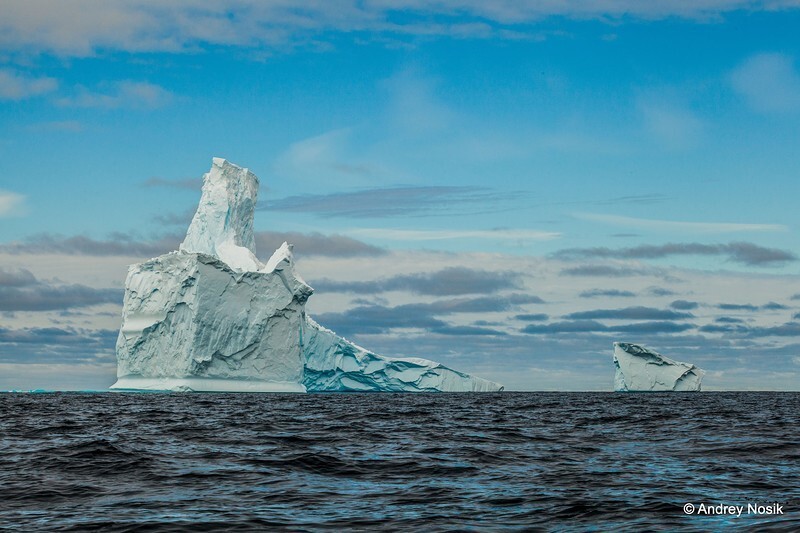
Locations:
(641, 369)
(332, 363)
(211, 317)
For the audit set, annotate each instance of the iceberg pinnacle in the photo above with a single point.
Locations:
(223, 224)
(641, 369)
(212, 317)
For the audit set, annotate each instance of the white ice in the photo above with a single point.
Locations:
(211, 317)
(641, 369)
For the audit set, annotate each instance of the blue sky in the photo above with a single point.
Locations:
(606, 158)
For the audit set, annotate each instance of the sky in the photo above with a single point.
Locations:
(505, 187)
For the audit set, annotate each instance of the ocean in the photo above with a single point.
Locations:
(405, 462)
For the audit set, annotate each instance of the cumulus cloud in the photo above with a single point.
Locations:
(18, 86)
(16, 277)
(740, 252)
(21, 291)
(446, 282)
(769, 83)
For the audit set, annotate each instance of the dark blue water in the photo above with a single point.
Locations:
(506, 461)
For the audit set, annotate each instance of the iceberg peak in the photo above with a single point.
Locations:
(282, 256)
(222, 226)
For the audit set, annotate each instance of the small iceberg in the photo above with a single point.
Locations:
(642, 369)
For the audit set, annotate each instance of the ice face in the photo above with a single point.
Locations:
(332, 363)
(223, 224)
(641, 369)
(211, 317)
(190, 316)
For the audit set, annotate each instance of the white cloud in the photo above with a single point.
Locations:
(120, 94)
(533, 363)
(440, 235)
(414, 106)
(153, 25)
(319, 151)
(769, 82)
(682, 226)
(330, 156)
(17, 86)
(11, 204)
(674, 126)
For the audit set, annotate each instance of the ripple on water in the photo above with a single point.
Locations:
(399, 461)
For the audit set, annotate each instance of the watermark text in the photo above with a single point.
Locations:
(708, 509)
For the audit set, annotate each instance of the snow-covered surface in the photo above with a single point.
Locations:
(211, 317)
(641, 369)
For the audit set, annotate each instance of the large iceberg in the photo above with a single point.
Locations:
(212, 317)
(642, 369)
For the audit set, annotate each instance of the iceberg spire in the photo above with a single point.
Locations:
(223, 224)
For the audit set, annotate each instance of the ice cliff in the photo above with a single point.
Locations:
(641, 369)
(212, 317)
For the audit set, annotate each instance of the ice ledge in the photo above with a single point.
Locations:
(204, 385)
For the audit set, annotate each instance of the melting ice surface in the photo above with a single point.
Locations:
(641, 369)
(212, 317)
